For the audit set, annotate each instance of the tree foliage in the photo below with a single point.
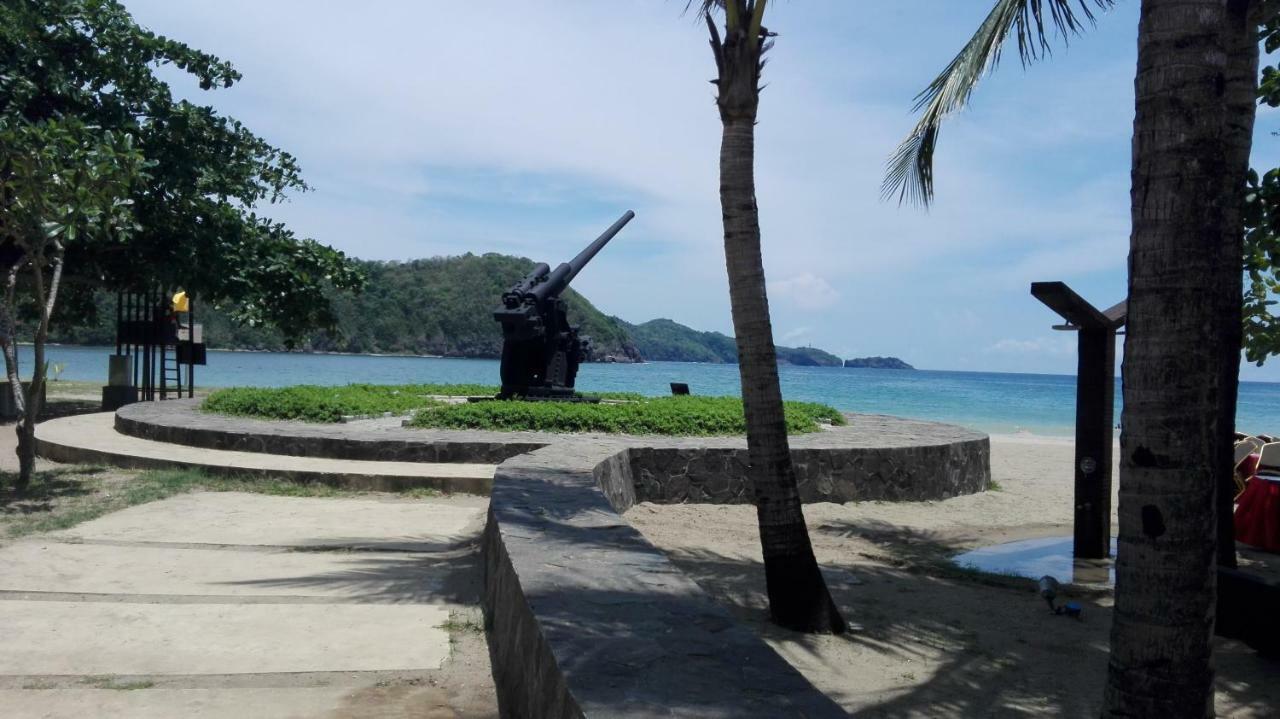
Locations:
(1262, 224)
(195, 214)
(110, 181)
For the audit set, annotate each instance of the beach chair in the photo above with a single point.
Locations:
(1269, 464)
(1244, 468)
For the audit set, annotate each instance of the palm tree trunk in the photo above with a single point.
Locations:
(1241, 38)
(798, 595)
(1161, 657)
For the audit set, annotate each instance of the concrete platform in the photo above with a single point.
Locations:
(254, 520)
(238, 605)
(105, 572)
(92, 439)
(93, 638)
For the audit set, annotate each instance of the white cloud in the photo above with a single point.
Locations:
(1055, 346)
(806, 291)
(440, 128)
(795, 334)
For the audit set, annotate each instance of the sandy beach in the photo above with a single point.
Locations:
(927, 640)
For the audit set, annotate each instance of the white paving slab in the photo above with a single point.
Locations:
(150, 703)
(96, 638)
(236, 518)
(48, 566)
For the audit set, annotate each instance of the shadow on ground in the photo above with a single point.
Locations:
(438, 573)
(930, 639)
(46, 489)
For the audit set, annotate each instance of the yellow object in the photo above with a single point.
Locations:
(180, 303)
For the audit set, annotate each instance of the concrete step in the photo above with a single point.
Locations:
(92, 439)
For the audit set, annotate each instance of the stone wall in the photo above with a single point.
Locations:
(586, 618)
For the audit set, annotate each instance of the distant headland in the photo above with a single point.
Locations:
(877, 363)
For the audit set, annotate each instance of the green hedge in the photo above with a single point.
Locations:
(684, 416)
(312, 403)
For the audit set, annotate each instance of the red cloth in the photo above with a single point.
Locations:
(1258, 513)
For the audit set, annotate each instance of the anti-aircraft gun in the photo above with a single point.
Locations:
(540, 350)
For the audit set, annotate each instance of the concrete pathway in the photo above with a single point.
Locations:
(92, 438)
(241, 605)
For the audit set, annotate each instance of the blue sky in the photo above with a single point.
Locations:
(438, 128)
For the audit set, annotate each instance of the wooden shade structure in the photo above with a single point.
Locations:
(1095, 410)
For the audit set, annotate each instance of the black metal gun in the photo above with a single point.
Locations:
(540, 350)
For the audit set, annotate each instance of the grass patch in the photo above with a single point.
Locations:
(311, 403)
(681, 416)
(994, 486)
(118, 684)
(63, 498)
(314, 403)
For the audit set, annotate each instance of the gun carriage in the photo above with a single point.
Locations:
(541, 351)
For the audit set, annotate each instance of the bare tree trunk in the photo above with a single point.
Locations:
(46, 298)
(1241, 39)
(1161, 657)
(9, 344)
(798, 595)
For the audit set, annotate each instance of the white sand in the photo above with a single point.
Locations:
(927, 642)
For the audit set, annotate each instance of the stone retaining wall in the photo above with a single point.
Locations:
(586, 618)
(182, 422)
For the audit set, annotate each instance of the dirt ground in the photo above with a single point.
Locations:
(927, 640)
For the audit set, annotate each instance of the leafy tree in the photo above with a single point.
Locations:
(1197, 66)
(60, 183)
(1262, 227)
(86, 64)
(798, 595)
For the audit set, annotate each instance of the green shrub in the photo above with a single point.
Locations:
(629, 413)
(685, 416)
(311, 403)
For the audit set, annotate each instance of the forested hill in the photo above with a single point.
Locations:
(440, 306)
(444, 306)
(666, 340)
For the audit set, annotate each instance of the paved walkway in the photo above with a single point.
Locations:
(92, 438)
(239, 605)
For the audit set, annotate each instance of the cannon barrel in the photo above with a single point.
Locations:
(514, 296)
(561, 276)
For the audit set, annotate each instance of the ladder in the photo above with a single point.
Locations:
(170, 372)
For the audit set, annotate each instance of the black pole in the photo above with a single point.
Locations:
(119, 316)
(191, 347)
(1095, 414)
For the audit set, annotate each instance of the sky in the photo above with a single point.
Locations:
(431, 128)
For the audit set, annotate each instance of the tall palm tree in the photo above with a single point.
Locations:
(1190, 151)
(798, 595)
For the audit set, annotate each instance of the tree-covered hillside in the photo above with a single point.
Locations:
(444, 306)
(439, 306)
(665, 340)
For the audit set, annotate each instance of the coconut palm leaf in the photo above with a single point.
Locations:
(909, 172)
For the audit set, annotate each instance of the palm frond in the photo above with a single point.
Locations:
(909, 171)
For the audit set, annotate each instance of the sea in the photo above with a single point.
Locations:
(1002, 403)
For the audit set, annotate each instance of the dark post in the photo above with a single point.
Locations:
(1095, 411)
(1095, 416)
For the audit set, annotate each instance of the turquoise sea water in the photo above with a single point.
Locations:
(992, 402)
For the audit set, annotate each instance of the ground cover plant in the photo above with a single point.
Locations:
(312, 403)
(682, 416)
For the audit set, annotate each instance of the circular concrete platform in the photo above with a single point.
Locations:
(873, 457)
